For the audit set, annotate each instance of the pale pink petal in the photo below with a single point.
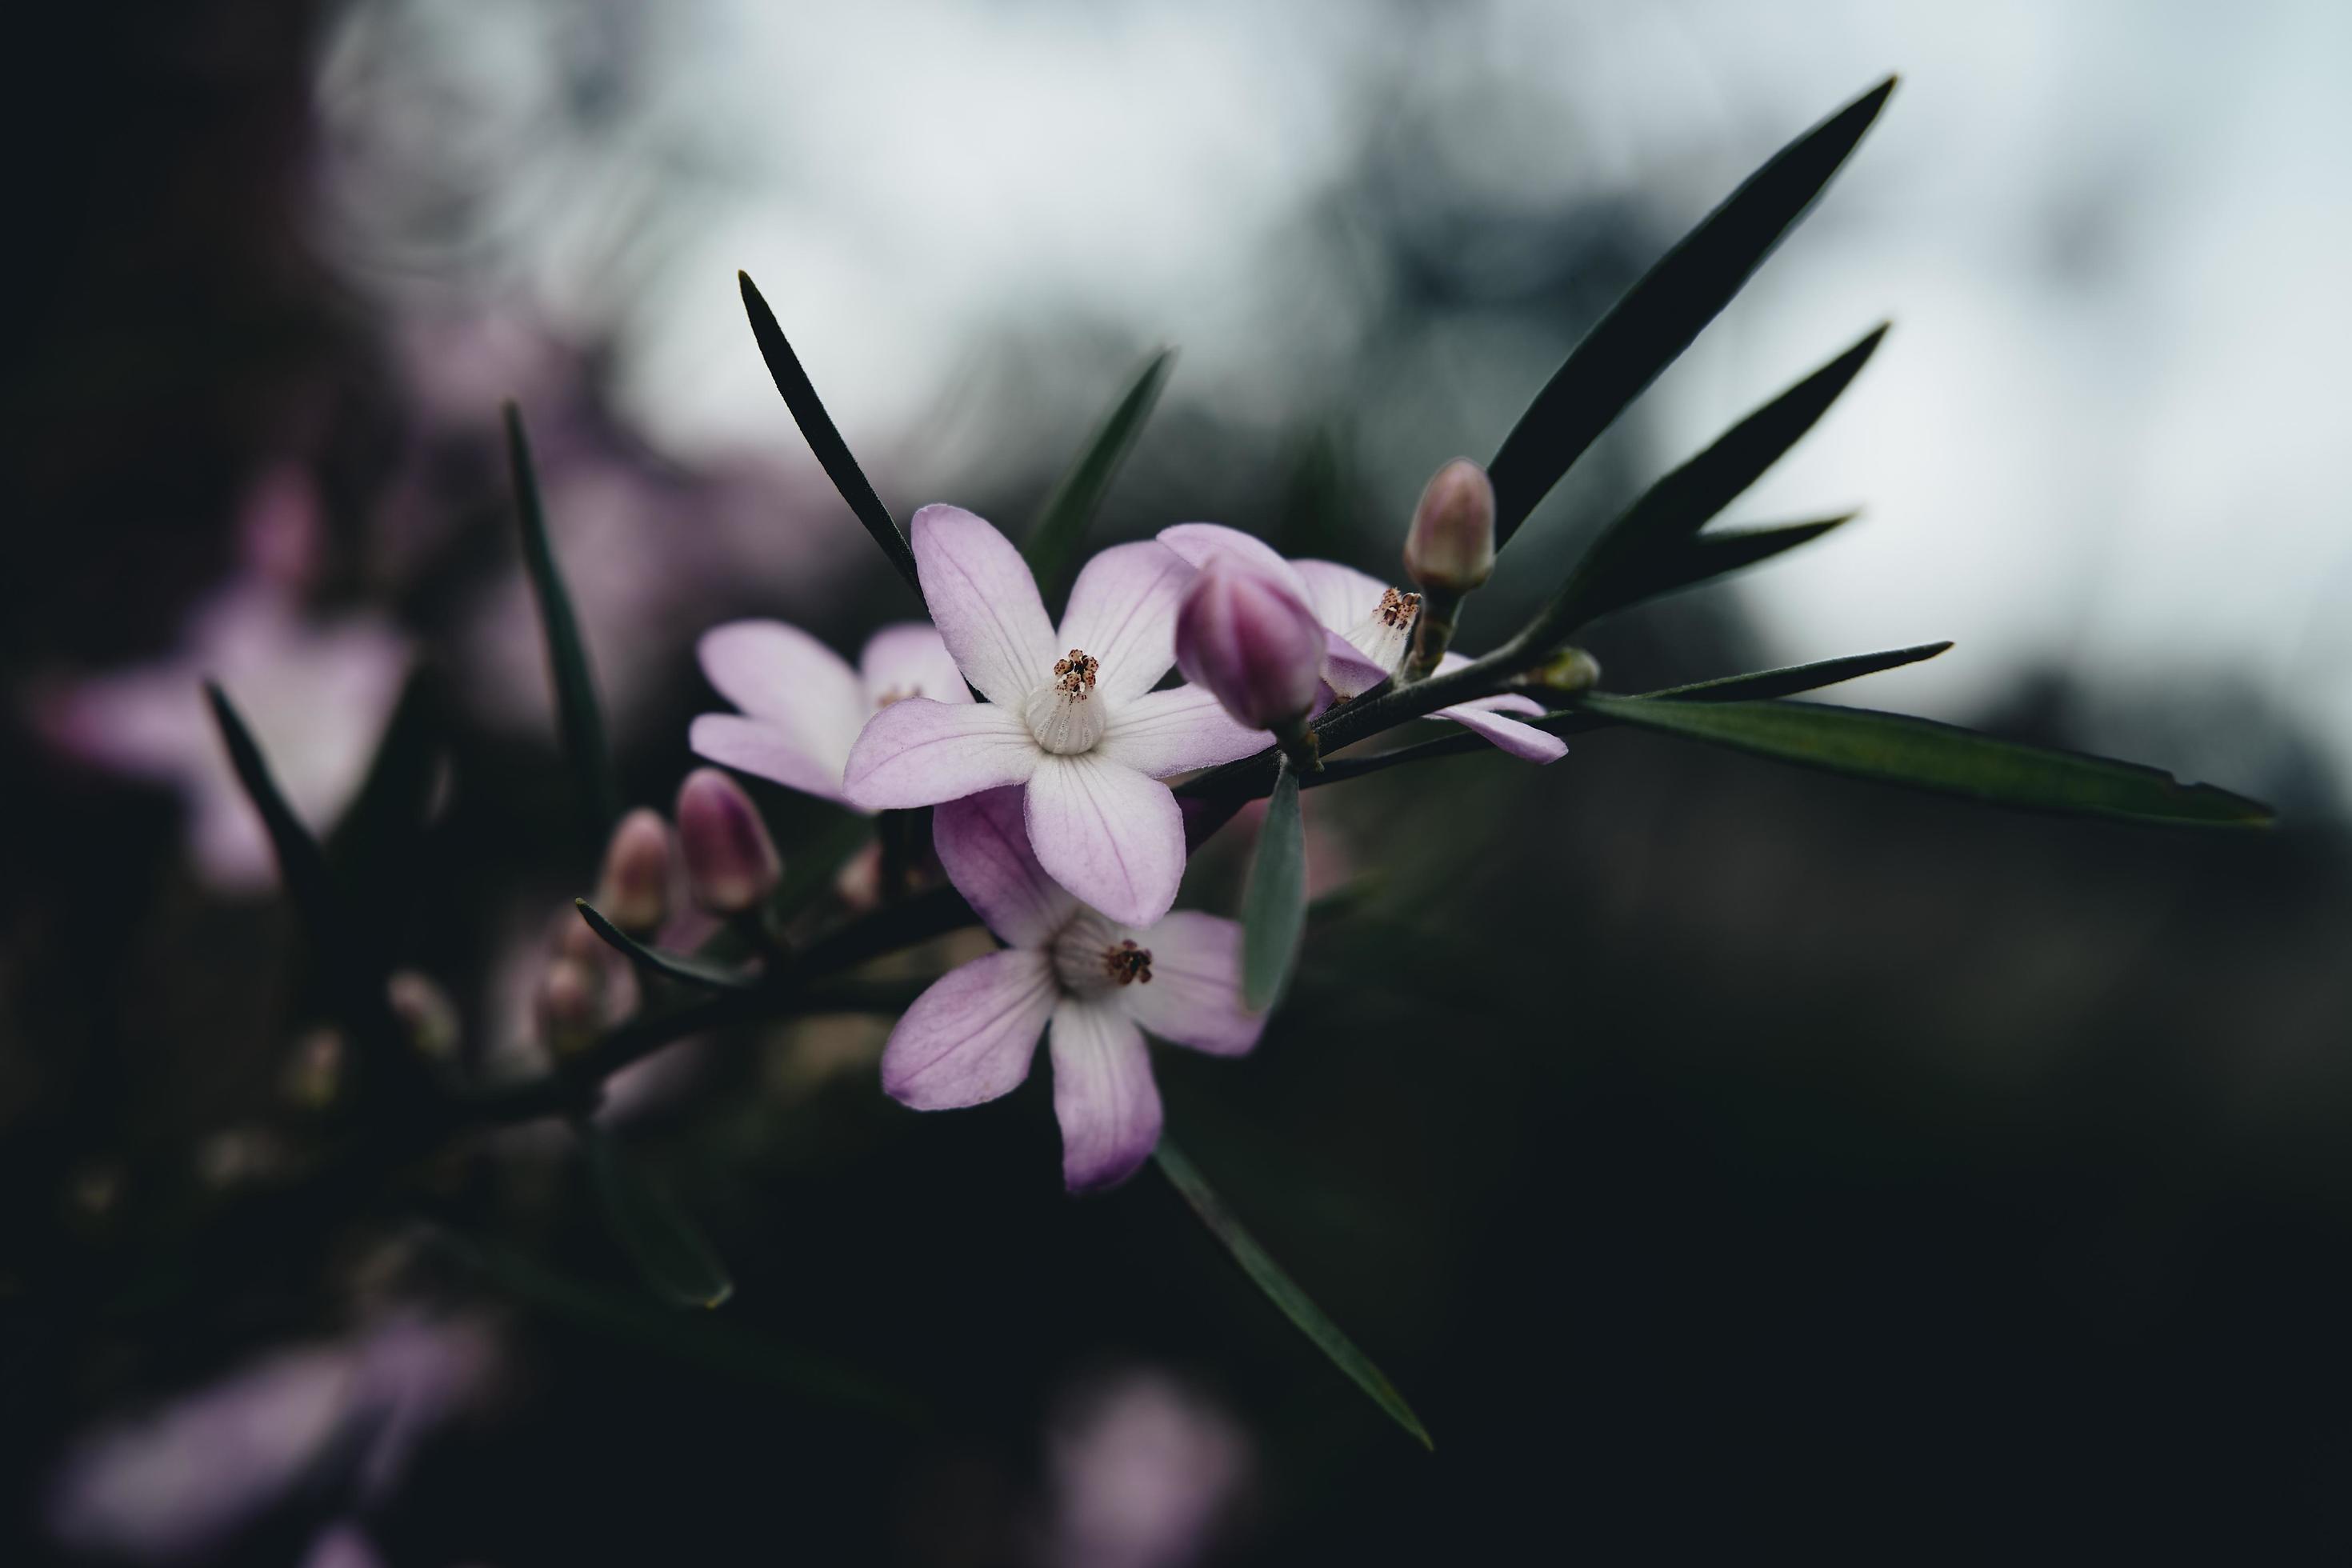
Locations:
(920, 753)
(1196, 541)
(1345, 670)
(970, 1036)
(768, 751)
(1185, 727)
(910, 660)
(1109, 834)
(984, 842)
(1501, 703)
(1103, 1095)
(1340, 596)
(782, 674)
(1123, 611)
(1522, 741)
(1194, 994)
(984, 602)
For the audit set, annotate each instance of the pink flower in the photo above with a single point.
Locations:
(1071, 714)
(1253, 642)
(1375, 622)
(802, 706)
(1098, 983)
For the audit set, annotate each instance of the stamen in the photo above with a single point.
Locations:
(1075, 675)
(1127, 964)
(1061, 714)
(1398, 610)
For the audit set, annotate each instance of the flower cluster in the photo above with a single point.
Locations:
(1053, 817)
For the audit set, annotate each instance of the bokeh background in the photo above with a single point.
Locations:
(1719, 1157)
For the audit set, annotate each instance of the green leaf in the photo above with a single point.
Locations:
(1672, 304)
(1920, 754)
(1274, 905)
(1053, 544)
(374, 849)
(1282, 1290)
(817, 429)
(1793, 679)
(1691, 561)
(688, 967)
(1652, 541)
(659, 1239)
(579, 717)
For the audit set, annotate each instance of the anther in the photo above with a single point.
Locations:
(1127, 964)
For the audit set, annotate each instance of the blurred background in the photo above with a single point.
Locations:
(1715, 1155)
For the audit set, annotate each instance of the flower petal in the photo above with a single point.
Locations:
(1194, 994)
(782, 674)
(970, 1036)
(920, 753)
(1123, 611)
(1501, 703)
(984, 842)
(985, 603)
(1340, 596)
(1103, 1095)
(1196, 541)
(1347, 668)
(1522, 741)
(1163, 732)
(765, 750)
(909, 658)
(1109, 834)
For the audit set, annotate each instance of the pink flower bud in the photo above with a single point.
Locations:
(1252, 642)
(1451, 546)
(634, 890)
(731, 862)
(568, 1004)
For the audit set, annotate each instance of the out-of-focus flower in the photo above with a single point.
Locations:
(731, 864)
(1450, 546)
(342, 1544)
(1376, 620)
(1253, 642)
(633, 890)
(1071, 715)
(1098, 982)
(1143, 1469)
(179, 1483)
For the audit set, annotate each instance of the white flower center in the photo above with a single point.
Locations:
(1065, 714)
(1092, 956)
(1383, 635)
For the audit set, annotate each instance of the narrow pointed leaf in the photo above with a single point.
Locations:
(1053, 544)
(685, 966)
(373, 850)
(1691, 562)
(1274, 905)
(1920, 754)
(1653, 539)
(671, 1255)
(1672, 304)
(1282, 1290)
(580, 719)
(1790, 680)
(817, 428)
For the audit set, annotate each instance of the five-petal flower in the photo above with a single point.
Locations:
(1071, 713)
(1098, 983)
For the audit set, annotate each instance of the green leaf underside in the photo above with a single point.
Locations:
(1669, 307)
(667, 1250)
(1284, 1291)
(817, 429)
(1274, 905)
(685, 966)
(579, 717)
(1654, 544)
(1920, 754)
(1061, 527)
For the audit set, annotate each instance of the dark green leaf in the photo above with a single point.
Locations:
(1284, 1291)
(1650, 543)
(1672, 304)
(1274, 905)
(1920, 754)
(373, 848)
(659, 1239)
(692, 969)
(817, 429)
(1690, 561)
(1053, 544)
(579, 717)
(1760, 684)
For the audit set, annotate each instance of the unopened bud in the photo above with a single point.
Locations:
(731, 864)
(634, 890)
(1450, 548)
(425, 1011)
(1252, 642)
(314, 1074)
(1569, 670)
(568, 1004)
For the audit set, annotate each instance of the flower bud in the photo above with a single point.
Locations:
(425, 1011)
(633, 892)
(1569, 670)
(1450, 549)
(1252, 642)
(568, 1004)
(731, 864)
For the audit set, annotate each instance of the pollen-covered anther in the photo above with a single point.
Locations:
(1127, 964)
(1399, 609)
(1074, 676)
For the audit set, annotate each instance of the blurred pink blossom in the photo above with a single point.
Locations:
(1144, 1472)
